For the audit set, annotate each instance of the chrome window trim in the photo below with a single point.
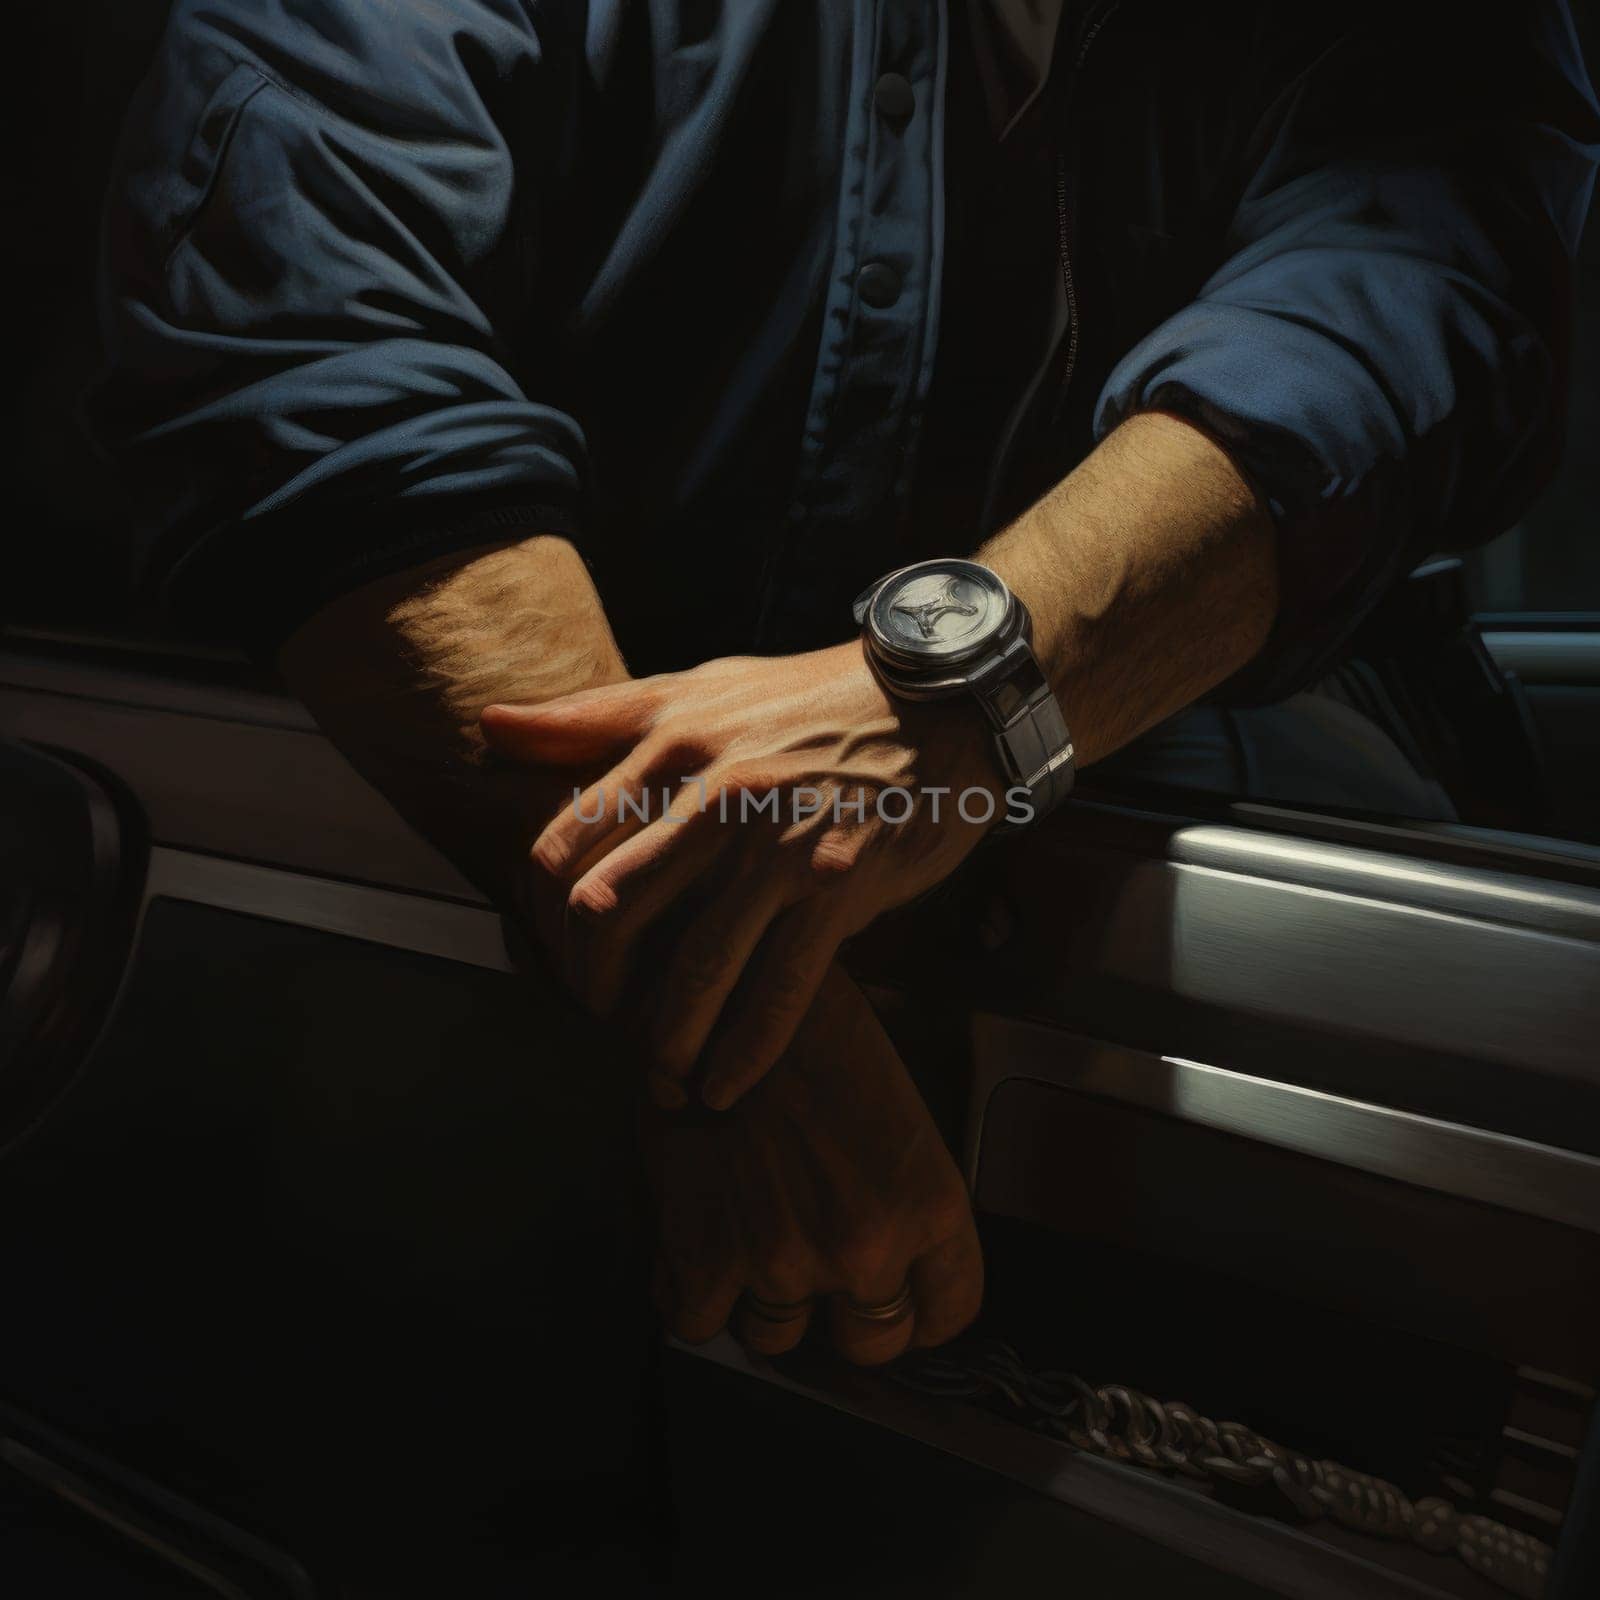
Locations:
(1546, 656)
(1359, 961)
(420, 923)
(1536, 903)
(1519, 1175)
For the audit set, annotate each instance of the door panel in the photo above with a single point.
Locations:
(291, 1244)
(1291, 1117)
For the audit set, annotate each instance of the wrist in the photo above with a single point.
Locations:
(957, 749)
(397, 674)
(952, 743)
(1150, 573)
(522, 623)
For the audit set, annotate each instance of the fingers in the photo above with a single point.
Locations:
(574, 728)
(766, 1299)
(780, 1259)
(947, 1282)
(770, 1320)
(619, 802)
(875, 1321)
(607, 839)
(936, 1300)
(696, 1309)
(707, 961)
(701, 1302)
(782, 981)
(940, 1295)
(874, 1318)
(610, 907)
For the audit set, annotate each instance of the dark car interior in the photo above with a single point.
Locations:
(1293, 1122)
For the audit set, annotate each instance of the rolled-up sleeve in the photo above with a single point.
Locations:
(1382, 349)
(323, 302)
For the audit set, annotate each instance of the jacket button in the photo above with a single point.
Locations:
(894, 98)
(878, 284)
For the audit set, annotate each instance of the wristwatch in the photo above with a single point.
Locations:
(938, 629)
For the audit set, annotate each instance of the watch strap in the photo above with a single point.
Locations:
(1031, 735)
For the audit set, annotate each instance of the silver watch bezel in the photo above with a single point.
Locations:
(921, 672)
(996, 667)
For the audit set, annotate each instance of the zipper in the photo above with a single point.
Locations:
(1096, 20)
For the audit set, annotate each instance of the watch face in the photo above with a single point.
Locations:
(938, 613)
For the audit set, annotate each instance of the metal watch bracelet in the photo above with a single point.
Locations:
(1031, 736)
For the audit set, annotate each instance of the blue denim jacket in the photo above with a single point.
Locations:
(384, 279)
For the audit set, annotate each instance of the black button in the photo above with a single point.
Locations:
(878, 284)
(894, 97)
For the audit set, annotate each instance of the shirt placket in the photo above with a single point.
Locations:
(843, 525)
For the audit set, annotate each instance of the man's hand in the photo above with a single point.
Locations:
(1150, 574)
(826, 1187)
(760, 781)
(398, 673)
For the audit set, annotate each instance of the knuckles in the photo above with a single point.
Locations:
(786, 1269)
(865, 1252)
(787, 991)
(835, 857)
(673, 741)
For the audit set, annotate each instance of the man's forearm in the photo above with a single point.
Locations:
(1151, 575)
(397, 673)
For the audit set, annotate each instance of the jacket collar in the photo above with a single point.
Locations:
(1013, 42)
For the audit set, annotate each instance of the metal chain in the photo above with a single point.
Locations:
(1123, 1424)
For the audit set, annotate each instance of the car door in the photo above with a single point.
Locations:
(1290, 1118)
